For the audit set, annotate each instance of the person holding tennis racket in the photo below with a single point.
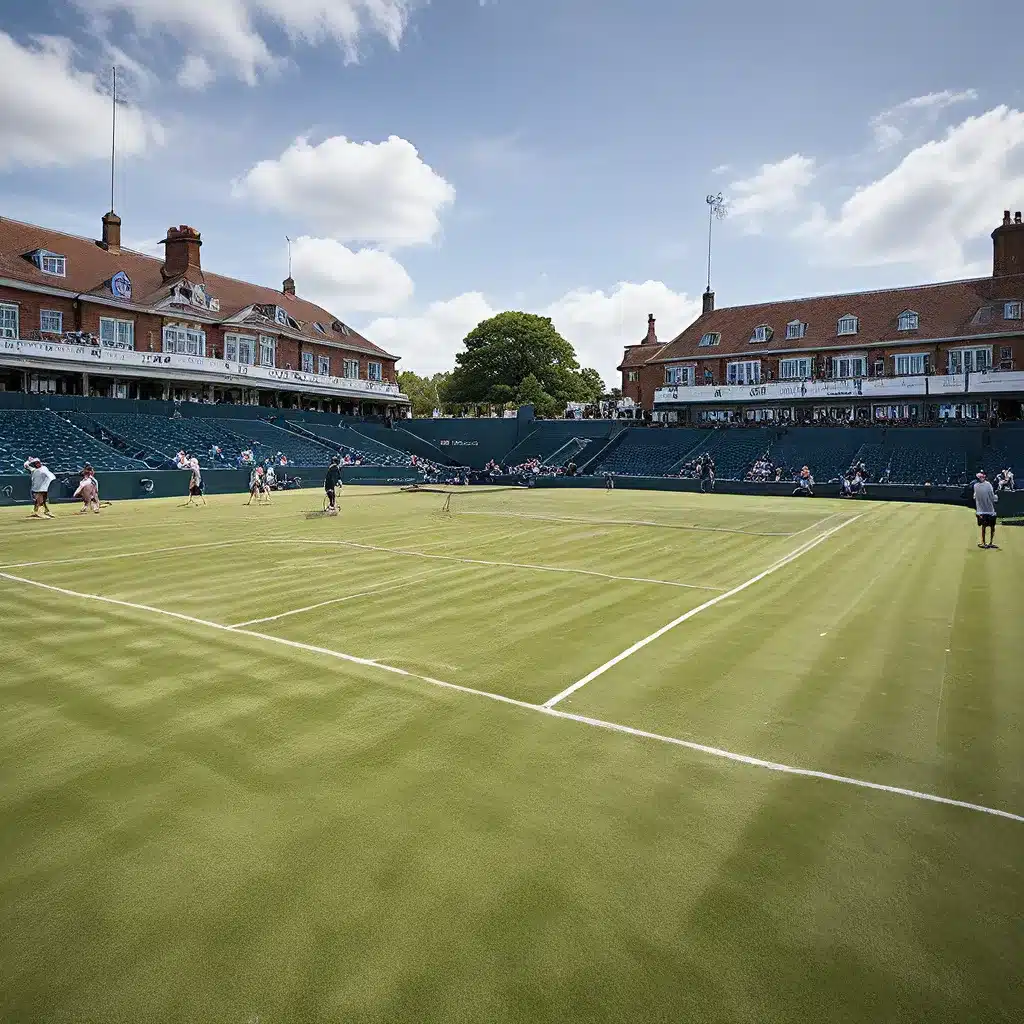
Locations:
(88, 491)
(39, 485)
(331, 482)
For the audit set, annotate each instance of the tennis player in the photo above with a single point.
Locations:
(39, 485)
(88, 491)
(331, 482)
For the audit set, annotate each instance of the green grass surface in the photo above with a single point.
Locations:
(200, 824)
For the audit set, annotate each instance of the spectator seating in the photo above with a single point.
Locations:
(550, 436)
(649, 452)
(733, 450)
(64, 447)
(300, 451)
(347, 441)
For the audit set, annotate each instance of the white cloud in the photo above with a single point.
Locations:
(355, 192)
(941, 196)
(597, 323)
(226, 30)
(891, 125)
(195, 72)
(776, 188)
(335, 277)
(52, 114)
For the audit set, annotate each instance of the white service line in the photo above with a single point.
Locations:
(382, 588)
(506, 565)
(597, 723)
(640, 644)
(624, 522)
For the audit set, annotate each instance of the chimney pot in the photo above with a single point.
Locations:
(1008, 246)
(289, 286)
(181, 252)
(1006, 216)
(709, 301)
(111, 232)
(1016, 217)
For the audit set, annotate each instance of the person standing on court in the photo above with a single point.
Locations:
(39, 485)
(985, 507)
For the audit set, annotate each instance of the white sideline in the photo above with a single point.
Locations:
(598, 723)
(127, 554)
(382, 588)
(506, 565)
(601, 669)
(625, 522)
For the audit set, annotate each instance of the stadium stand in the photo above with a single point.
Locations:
(647, 452)
(546, 441)
(347, 441)
(62, 445)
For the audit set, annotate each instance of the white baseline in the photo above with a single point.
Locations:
(601, 669)
(501, 699)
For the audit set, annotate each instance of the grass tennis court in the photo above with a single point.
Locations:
(527, 760)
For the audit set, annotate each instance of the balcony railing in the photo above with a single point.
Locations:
(195, 369)
(867, 388)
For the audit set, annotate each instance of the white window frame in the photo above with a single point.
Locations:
(58, 264)
(710, 340)
(307, 362)
(761, 333)
(268, 350)
(746, 372)
(1013, 310)
(319, 327)
(957, 359)
(632, 376)
(796, 368)
(908, 321)
(375, 371)
(795, 329)
(119, 333)
(910, 364)
(848, 324)
(323, 365)
(281, 316)
(184, 341)
(350, 369)
(837, 366)
(9, 320)
(680, 376)
(238, 345)
(56, 321)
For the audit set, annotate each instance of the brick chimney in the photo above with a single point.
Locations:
(652, 336)
(709, 301)
(1008, 246)
(181, 252)
(111, 232)
(289, 286)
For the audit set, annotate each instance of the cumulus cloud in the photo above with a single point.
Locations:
(353, 191)
(598, 324)
(775, 188)
(195, 72)
(226, 30)
(340, 279)
(942, 196)
(52, 114)
(890, 126)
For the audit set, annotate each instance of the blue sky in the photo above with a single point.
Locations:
(438, 162)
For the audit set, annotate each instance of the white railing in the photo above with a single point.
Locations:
(197, 369)
(868, 388)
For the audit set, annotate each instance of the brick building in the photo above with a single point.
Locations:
(950, 350)
(84, 316)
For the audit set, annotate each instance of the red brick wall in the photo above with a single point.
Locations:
(30, 303)
(148, 327)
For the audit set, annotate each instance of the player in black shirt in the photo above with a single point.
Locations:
(331, 481)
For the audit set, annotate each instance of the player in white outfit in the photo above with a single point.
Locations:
(39, 485)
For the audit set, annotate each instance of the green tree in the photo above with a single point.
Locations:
(425, 393)
(520, 357)
(592, 385)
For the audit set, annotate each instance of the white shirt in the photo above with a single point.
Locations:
(41, 478)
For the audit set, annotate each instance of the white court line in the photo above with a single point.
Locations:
(601, 669)
(382, 588)
(506, 565)
(625, 522)
(598, 723)
(179, 548)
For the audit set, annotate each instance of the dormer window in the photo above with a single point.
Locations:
(1013, 310)
(340, 327)
(709, 340)
(49, 262)
(281, 316)
(848, 324)
(319, 328)
(762, 333)
(909, 321)
(795, 329)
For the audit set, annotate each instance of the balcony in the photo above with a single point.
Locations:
(62, 357)
(990, 382)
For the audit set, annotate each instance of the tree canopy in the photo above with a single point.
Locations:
(521, 358)
(425, 393)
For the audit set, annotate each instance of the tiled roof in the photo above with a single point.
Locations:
(638, 355)
(90, 267)
(952, 310)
